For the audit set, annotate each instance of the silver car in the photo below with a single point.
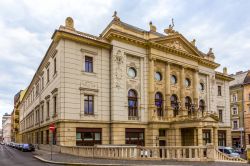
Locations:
(229, 151)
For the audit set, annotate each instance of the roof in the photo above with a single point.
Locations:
(247, 78)
(239, 78)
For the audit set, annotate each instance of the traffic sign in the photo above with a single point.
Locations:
(52, 127)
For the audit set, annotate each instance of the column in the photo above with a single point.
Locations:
(196, 83)
(169, 112)
(151, 88)
(215, 136)
(177, 137)
(182, 89)
(199, 135)
(182, 86)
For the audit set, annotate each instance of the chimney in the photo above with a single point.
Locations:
(225, 70)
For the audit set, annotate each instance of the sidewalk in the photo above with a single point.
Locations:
(65, 159)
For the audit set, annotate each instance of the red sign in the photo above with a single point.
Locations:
(52, 127)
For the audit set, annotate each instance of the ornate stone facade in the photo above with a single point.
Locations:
(146, 88)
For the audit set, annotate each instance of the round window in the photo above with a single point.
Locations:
(187, 82)
(202, 87)
(173, 79)
(132, 72)
(158, 76)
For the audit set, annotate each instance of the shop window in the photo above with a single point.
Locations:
(134, 136)
(88, 136)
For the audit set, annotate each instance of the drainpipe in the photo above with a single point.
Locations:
(243, 120)
(110, 102)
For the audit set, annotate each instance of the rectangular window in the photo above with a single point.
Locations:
(42, 82)
(234, 98)
(162, 132)
(37, 89)
(248, 138)
(206, 137)
(134, 136)
(55, 105)
(88, 136)
(220, 116)
(47, 75)
(88, 64)
(41, 137)
(42, 112)
(47, 136)
(221, 138)
(219, 90)
(235, 111)
(54, 137)
(54, 65)
(88, 104)
(235, 124)
(47, 106)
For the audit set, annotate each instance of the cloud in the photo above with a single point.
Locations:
(26, 27)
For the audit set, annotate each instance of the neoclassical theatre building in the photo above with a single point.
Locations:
(126, 86)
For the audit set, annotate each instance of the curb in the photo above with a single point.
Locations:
(83, 164)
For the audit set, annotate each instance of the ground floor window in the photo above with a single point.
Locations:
(41, 137)
(134, 136)
(206, 136)
(54, 137)
(88, 136)
(221, 138)
(236, 142)
(47, 136)
(248, 138)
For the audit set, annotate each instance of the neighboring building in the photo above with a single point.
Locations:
(246, 85)
(127, 86)
(15, 136)
(1, 135)
(6, 124)
(237, 108)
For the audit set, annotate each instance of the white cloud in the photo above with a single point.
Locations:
(26, 27)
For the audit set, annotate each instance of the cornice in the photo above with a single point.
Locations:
(58, 35)
(223, 77)
(131, 39)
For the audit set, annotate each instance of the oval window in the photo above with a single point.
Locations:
(132, 72)
(158, 76)
(173, 79)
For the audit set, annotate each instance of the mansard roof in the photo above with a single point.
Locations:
(247, 78)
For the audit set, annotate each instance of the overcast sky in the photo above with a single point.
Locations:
(26, 27)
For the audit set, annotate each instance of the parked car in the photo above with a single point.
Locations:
(229, 151)
(27, 147)
(19, 146)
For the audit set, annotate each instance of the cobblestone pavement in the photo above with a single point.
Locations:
(59, 157)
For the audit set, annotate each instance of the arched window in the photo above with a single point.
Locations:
(202, 106)
(188, 102)
(174, 104)
(159, 103)
(132, 103)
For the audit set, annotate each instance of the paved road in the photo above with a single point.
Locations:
(13, 157)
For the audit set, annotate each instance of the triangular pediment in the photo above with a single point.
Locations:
(179, 43)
